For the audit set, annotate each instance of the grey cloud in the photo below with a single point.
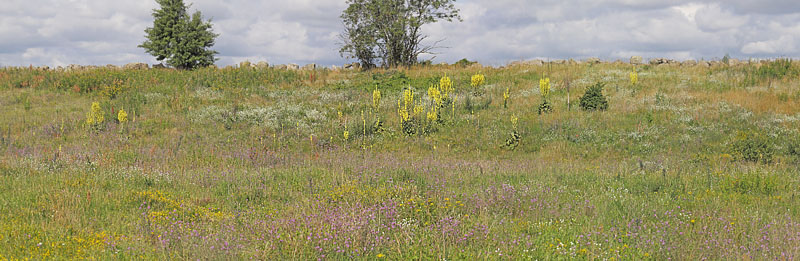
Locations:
(57, 32)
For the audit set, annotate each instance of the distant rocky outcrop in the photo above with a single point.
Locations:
(310, 67)
(136, 66)
(636, 60)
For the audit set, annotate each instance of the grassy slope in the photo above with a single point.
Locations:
(252, 163)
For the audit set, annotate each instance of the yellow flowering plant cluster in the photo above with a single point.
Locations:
(95, 116)
(435, 96)
(376, 99)
(544, 89)
(634, 78)
(477, 80)
(405, 105)
(436, 99)
(446, 86)
(122, 116)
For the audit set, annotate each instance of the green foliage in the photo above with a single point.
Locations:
(545, 107)
(389, 31)
(183, 40)
(593, 99)
(777, 69)
(513, 141)
(390, 81)
(753, 146)
(476, 103)
(464, 62)
(793, 148)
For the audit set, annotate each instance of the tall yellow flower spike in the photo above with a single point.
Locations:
(446, 86)
(122, 116)
(435, 95)
(506, 95)
(514, 121)
(544, 87)
(634, 78)
(376, 98)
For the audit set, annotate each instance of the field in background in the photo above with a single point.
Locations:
(691, 162)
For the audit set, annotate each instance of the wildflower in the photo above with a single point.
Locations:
(403, 104)
(634, 78)
(95, 116)
(376, 98)
(432, 115)
(514, 121)
(544, 87)
(435, 95)
(381, 255)
(445, 85)
(477, 80)
(506, 95)
(346, 133)
(122, 116)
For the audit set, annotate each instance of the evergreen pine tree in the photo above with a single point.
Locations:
(183, 41)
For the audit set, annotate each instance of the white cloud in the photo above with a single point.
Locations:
(780, 46)
(57, 32)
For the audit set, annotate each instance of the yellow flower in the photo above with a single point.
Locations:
(95, 116)
(381, 255)
(477, 80)
(514, 121)
(376, 98)
(544, 87)
(122, 116)
(634, 78)
(432, 115)
(435, 95)
(445, 85)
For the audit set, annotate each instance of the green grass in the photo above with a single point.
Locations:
(252, 163)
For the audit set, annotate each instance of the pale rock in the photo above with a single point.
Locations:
(136, 66)
(636, 60)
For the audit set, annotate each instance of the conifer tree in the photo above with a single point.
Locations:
(183, 41)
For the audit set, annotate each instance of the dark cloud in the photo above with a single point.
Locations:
(58, 32)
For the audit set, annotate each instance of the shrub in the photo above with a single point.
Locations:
(593, 99)
(753, 146)
(464, 62)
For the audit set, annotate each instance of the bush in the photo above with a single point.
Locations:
(464, 62)
(753, 146)
(593, 99)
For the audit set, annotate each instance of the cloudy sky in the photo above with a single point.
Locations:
(60, 32)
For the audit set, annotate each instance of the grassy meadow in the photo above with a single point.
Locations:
(688, 163)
